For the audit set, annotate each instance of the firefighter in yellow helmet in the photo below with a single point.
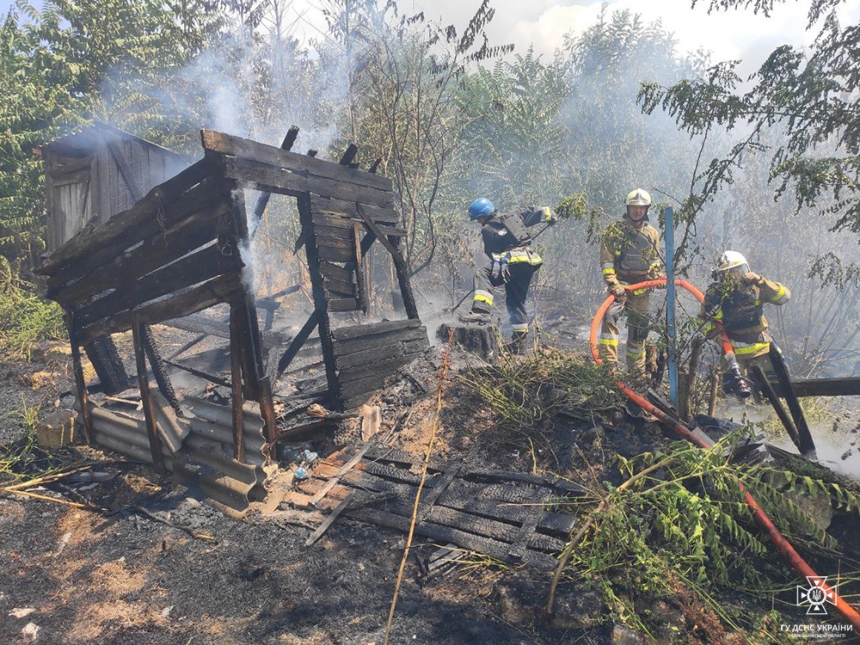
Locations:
(629, 254)
(736, 299)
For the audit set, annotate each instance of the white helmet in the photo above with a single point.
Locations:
(731, 260)
(638, 197)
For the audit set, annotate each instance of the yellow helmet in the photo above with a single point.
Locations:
(638, 197)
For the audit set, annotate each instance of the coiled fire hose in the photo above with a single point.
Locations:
(782, 545)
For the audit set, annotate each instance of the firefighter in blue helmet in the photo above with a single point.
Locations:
(507, 259)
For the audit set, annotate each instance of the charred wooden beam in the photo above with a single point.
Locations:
(807, 445)
(276, 179)
(300, 339)
(221, 289)
(842, 386)
(318, 290)
(399, 264)
(146, 399)
(373, 168)
(349, 156)
(193, 269)
(236, 385)
(292, 162)
(777, 405)
(80, 383)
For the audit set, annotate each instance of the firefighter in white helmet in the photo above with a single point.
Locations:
(736, 299)
(629, 254)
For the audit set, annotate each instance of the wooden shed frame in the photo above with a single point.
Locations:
(177, 251)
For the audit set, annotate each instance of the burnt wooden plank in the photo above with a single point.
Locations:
(319, 296)
(380, 341)
(343, 233)
(342, 223)
(189, 270)
(295, 163)
(386, 363)
(335, 272)
(429, 498)
(346, 289)
(161, 249)
(209, 293)
(97, 236)
(343, 242)
(367, 356)
(356, 331)
(526, 535)
(236, 387)
(333, 254)
(273, 179)
(526, 478)
(296, 344)
(263, 199)
(467, 540)
(343, 304)
(330, 205)
(841, 386)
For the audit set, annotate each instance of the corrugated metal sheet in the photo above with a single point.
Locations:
(204, 455)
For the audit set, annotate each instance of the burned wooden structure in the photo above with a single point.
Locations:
(178, 249)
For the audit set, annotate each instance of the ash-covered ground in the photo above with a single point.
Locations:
(155, 566)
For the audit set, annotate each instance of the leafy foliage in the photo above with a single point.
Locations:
(680, 519)
(25, 318)
(811, 98)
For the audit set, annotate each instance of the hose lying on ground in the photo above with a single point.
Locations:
(782, 545)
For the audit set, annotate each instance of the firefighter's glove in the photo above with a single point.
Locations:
(752, 278)
(654, 272)
(548, 216)
(618, 291)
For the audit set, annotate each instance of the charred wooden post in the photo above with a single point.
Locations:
(360, 269)
(300, 339)
(318, 288)
(807, 445)
(267, 412)
(349, 156)
(236, 382)
(146, 399)
(768, 391)
(80, 383)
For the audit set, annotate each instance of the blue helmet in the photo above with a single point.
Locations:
(481, 207)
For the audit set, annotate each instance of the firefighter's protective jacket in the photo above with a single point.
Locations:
(505, 236)
(630, 252)
(739, 306)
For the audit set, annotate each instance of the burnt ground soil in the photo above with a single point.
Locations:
(70, 575)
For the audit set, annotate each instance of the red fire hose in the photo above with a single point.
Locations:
(794, 559)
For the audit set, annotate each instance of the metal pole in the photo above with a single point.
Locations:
(670, 306)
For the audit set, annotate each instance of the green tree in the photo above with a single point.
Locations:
(812, 99)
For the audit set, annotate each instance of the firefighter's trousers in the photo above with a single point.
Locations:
(637, 307)
(516, 291)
